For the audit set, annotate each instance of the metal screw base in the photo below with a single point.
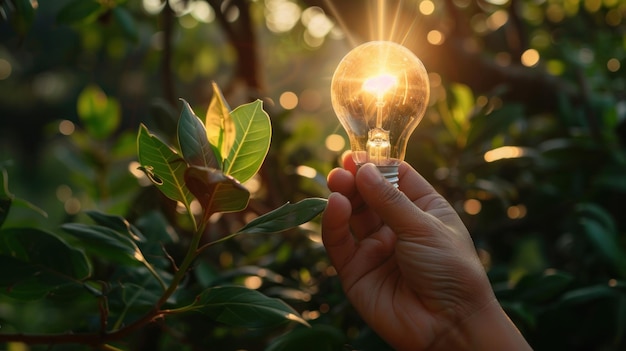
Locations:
(390, 173)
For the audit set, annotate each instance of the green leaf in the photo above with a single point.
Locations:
(285, 217)
(165, 168)
(106, 243)
(216, 191)
(117, 223)
(463, 98)
(588, 293)
(484, 127)
(243, 307)
(252, 141)
(596, 212)
(220, 128)
(544, 287)
(193, 141)
(24, 16)
(126, 21)
(100, 114)
(6, 198)
(606, 243)
(35, 262)
(79, 11)
(316, 338)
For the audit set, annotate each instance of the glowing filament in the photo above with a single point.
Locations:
(379, 85)
(378, 146)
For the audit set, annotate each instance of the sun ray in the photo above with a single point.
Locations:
(408, 31)
(351, 40)
(380, 20)
(385, 20)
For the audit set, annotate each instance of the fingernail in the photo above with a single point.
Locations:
(370, 174)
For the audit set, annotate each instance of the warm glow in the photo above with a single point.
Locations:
(288, 100)
(379, 85)
(253, 184)
(316, 22)
(306, 171)
(516, 212)
(613, 65)
(281, 15)
(472, 206)
(66, 127)
(504, 152)
(253, 282)
(195, 207)
(497, 20)
(530, 57)
(201, 11)
(435, 37)
(335, 142)
(427, 7)
(498, 2)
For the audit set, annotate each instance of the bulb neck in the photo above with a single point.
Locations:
(390, 173)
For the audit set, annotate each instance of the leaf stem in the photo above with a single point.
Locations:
(207, 245)
(190, 256)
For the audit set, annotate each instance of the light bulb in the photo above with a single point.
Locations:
(379, 93)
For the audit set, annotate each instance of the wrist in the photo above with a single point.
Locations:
(488, 329)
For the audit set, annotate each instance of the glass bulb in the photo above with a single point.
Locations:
(379, 92)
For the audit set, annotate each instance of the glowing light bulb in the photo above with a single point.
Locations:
(380, 92)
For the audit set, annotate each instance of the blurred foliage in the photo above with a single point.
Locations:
(525, 135)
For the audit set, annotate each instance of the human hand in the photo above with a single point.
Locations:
(406, 261)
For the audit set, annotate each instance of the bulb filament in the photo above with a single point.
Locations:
(378, 146)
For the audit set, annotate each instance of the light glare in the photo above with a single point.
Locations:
(288, 100)
(379, 85)
(504, 152)
(335, 142)
(530, 57)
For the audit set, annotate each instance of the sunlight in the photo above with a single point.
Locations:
(66, 127)
(427, 7)
(530, 57)
(380, 84)
(281, 15)
(435, 37)
(613, 65)
(306, 171)
(253, 282)
(384, 20)
(504, 152)
(335, 142)
(472, 206)
(288, 100)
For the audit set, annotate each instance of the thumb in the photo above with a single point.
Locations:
(392, 205)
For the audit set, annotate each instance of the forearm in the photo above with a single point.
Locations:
(489, 329)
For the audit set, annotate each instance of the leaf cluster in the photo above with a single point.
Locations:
(144, 282)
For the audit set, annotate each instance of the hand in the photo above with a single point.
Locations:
(407, 262)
